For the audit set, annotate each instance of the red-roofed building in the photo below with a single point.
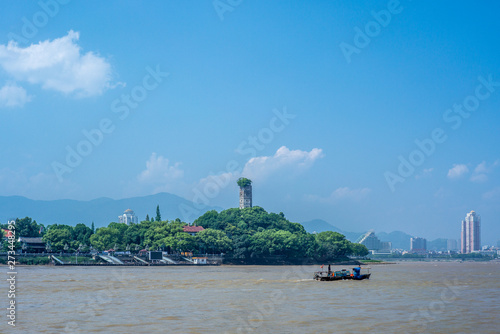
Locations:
(192, 230)
(7, 233)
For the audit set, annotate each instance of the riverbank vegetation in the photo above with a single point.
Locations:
(243, 235)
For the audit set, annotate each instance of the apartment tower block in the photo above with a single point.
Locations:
(471, 233)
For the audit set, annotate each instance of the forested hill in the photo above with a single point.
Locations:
(319, 225)
(249, 235)
(254, 233)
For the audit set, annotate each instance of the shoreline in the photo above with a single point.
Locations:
(256, 263)
(342, 263)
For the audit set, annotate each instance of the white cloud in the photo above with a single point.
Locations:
(492, 194)
(44, 186)
(221, 180)
(425, 173)
(347, 193)
(344, 193)
(441, 193)
(222, 184)
(213, 186)
(481, 171)
(12, 95)
(159, 171)
(297, 160)
(58, 65)
(481, 168)
(457, 171)
(479, 178)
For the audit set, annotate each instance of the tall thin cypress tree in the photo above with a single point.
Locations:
(158, 215)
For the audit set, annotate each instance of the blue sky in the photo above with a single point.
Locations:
(316, 102)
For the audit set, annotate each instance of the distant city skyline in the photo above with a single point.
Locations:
(367, 114)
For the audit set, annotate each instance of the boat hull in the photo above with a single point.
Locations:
(320, 277)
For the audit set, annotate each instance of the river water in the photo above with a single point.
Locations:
(422, 297)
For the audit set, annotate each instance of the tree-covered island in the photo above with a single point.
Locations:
(249, 235)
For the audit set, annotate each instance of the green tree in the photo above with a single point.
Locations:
(247, 220)
(132, 235)
(186, 242)
(359, 250)
(243, 182)
(82, 233)
(26, 227)
(241, 227)
(147, 217)
(169, 236)
(276, 242)
(6, 246)
(332, 244)
(59, 236)
(109, 237)
(215, 240)
(5, 242)
(144, 226)
(158, 215)
(209, 219)
(242, 246)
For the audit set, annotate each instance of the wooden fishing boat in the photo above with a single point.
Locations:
(343, 274)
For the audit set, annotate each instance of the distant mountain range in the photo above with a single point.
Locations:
(101, 211)
(319, 225)
(398, 239)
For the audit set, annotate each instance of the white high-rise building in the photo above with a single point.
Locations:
(471, 233)
(374, 245)
(128, 217)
